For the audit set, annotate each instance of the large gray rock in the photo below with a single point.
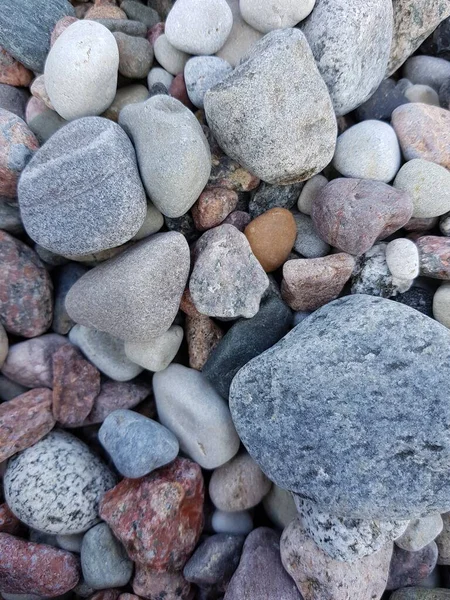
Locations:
(273, 113)
(333, 410)
(350, 41)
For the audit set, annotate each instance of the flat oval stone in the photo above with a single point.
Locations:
(420, 533)
(309, 427)
(427, 184)
(266, 16)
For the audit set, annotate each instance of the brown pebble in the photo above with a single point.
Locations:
(178, 90)
(434, 256)
(105, 11)
(187, 304)
(167, 586)
(202, 336)
(13, 72)
(38, 90)
(272, 237)
(61, 26)
(9, 523)
(213, 206)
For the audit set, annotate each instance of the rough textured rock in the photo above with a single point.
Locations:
(9, 523)
(202, 336)
(14, 100)
(135, 55)
(411, 568)
(407, 451)
(213, 206)
(443, 541)
(262, 121)
(154, 585)
(226, 172)
(420, 593)
(381, 104)
(434, 256)
(268, 196)
(420, 532)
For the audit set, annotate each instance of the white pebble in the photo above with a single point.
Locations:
(242, 37)
(266, 16)
(441, 304)
(420, 533)
(169, 57)
(402, 257)
(310, 190)
(238, 523)
(156, 354)
(159, 75)
(422, 93)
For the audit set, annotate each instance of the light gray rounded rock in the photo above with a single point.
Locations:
(420, 533)
(71, 543)
(202, 73)
(309, 192)
(242, 37)
(441, 304)
(80, 92)
(173, 153)
(281, 132)
(280, 506)
(55, 486)
(308, 242)
(422, 93)
(157, 353)
(169, 57)
(402, 258)
(301, 410)
(159, 75)
(239, 522)
(153, 222)
(354, 57)
(267, 16)
(427, 70)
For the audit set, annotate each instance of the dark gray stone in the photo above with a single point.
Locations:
(13, 99)
(418, 298)
(10, 389)
(157, 89)
(45, 124)
(139, 12)
(184, 225)
(63, 280)
(351, 411)
(26, 26)
(438, 44)
(10, 219)
(411, 568)
(382, 103)
(268, 196)
(124, 26)
(163, 7)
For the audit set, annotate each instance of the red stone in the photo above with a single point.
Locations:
(13, 72)
(9, 523)
(115, 395)
(158, 518)
(167, 586)
(106, 595)
(154, 32)
(76, 384)
(202, 336)
(28, 568)
(178, 90)
(26, 292)
(187, 304)
(24, 421)
(213, 206)
(434, 256)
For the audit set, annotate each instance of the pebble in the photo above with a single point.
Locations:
(140, 289)
(381, 104)
(136, 444)
(167, 585)
(12, 72)
(13, 99)
(38, 90)
(129, 27)
(202, 73)
(239, 219)
(368, 150)
(189, 407)
(268, 196)
(71, 543)
(196, 27)
(444, 224)
(427, 184)
(434, 256)
(135, 55)
(10, 219)
(173, 153)
(130, 94)
(351, 214)
(104, 10)
(169, 57)
(60, 26)
(334, 474)
(9, 523)
(45, 123)
(236, 523)
(27, 568)
(308, 242)
(10, 389)
(63, 279)
(444, 94)
(422, 93)
(423, 132)
(441, 305)
(420, 593)
(443, 541)
(421, 224)
(411, 568)
(117, 395)
(153, 222)
(184, 225)
(26, 306)
(402, 258)
(178, 91)
(160, 534)
(309, 283)
(420, 533)
(309, 192)
(260, 573)
(202, 336)
(427, 70)
(213, 206)
(266, 132)
(33, 410)
(139, 12)
(157, 353)
(55, 485)
(159, 75)
(241, 38)
(104, 562)
(279, 506)
(4, 345)
(267, 17)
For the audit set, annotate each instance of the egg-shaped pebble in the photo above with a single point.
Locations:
(402, 257)
(201, 73)
(238, 523)
(422, 93)
(310, 190)
(441, 304)
(159, 75)
(156, 354)
(169, 57)
(266, 16)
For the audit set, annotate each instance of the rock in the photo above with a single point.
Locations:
(131, 94)
(169, 57)
(419, 224)
(10, 389)
(441, 305)
(201, 73)
(336, 476)
(26, 304)
(172, 151)
(381, 104)
(153, 222)
(38, 90)
(9, 523)
(444, 224)
(55, 485)
(64, 278)
(423, 132)
(443, 541)
(227, 173)
(444, 94)
(10, 220)
(33, 411)
(76, 384)
(319, 577)
(419, 593)
(49, 258)
(35, 568)
(202, 336)
(45, 124)
(372, 275)
(437, 44)
(402, 258)
(238, 485)
(279, 506)
(241, 38)
(138, 12)
(178, 91)
(434, 256)
(267, 196)
(158, 75)
(168, 585)
(352, 214)
(140, 289)
(104, 561)
(136, 444)
(420, 533)
(71, 543)
(13, 72)
(104, 10)
(427, 70)
(239, 219)
(13, 99)
(60, 26)
(4, 345)
(428, 186)
(111, 594)
(213, 206)
(135, 55)
(115, 395)
(422, 93)
(246, 339)
(309, 283)
(266, 132)
(266, 17)
(124, 26)
(160, 534)
(260, 573)
(309, 192)
(308, 243)
(411, 568)
(157, 353)
(189, 406)
(112, 206)
(236, 523)
(184, 225)
(236, 288)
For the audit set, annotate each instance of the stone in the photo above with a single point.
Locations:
(172, 151)
(308, 242)
(236, 523)
(10, 220)
(319, 577)
(420, 533)
(239, 219)
(421, 224)
(168, 585)
(111, 594)
(116, 395)
(420, 593)
(45, 124)
(309, 192)
(352, 214)
(4, 345)
(246, 339)
(130, 94)
(159, 75)
(135, 55)
(411, 568)
(138, 12)
(441, 305)
(71, 543)
(377, 332)
(13, 99)
(63, 278)
(27, 568)
(136, 444)
(49, 258)
(169, 57)
(419, 298)
(309, 283)
(178, 91)
(33, 412)
(238, 485)
(60, 26)
(10, 389)
(443, 541)
(153, 222)
(402, 258)
(279, 506)
(201, 73)
(104, 562)
(190, 407)
(427, 70)
(111, 208)
(55, 486)
(260, 573)
(267, 196)
(76, 384)
(141, 289)
(234, 290)
(422, 93)
(434, 255)
(444, 224)
(444, 94)
(9, 523)
(198, 29)
(160, 534)
(129, 27)
(157, 353)
(265, 132)
(26, 304)
(104, 10)
(423, 132)
(12, 72)
(38, 90)
(213, 206)
(184, 225)
(266, 17)
(202, 336)
(381, 104)
(241, 38)
(437, 44)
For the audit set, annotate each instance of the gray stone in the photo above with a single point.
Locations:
(420, 593)
(135, 55)
(268, 196)
(422, 93)
(420, 532)
(242, 37)
(281, 132)
(237, 523)
(72, 543)
(124, 26)
(81, 192)
(267, 16)
(138, 12)
(104, 560)
(55, 486)
(382, 103)
(308, 242)
(411, 568)
(10, 219)
(153, 222)
(10, 389)
(156, 354)
(173, 153)
(45, 124)
(63, 279)
(130, 94)
(202, 73)
(134, 296)
(354, 58)
(309, 192)
(158, 75)
(26, 26)
(227, 280)
(443, 541)
(427, 70)
(13, 99)
(136, 444)
(169, 57)
(301, 410)
(49, 258)
(280, 506)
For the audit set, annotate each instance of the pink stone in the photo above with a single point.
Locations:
(421, 224)
(434, 256)
(213, 206)
(13, 72)
(38, 90)
(238, 219)
(35, 107)
(202, 336)
(61, 26)
(106, 595)
(114, 395)
(154, 32)
(168, 586)
(178, 90)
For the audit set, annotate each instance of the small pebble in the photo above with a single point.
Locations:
(71, 543)
(309, 192)
(12, 72)
(167, 585)
(139, 12)
(38, 90)
(241, 38)
(169, 57)
(202, 73)
(382, 103)
(115, 395)
(267, 196)
(422, 93)
(236, 523)
(104, 10)
(420, 533)
(9, 523)
(411, 568)
(428, 185)
(135, 55)
(279, 506)
(127, 26)
(402, 258)
(213, 206)
(443, 541)
(421, 224)
(427, 70)
(157, 353)
(202, 336)
(419, 298)
(239, 219)
(63, 279)
(308, 243)
(153, 222)
(159, 75)
(10, 389)
(267, 17)
(130, 94)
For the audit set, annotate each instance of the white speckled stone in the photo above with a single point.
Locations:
(55, 486)
(238, 523)
(309, 191)
(152, 223)
(266, 16)
(202, 73)
(422, 93)
(420, 533)
(159, 75)
(169, 57)
(280, 506)
(241, 38)
(81, 70)
(157, 353)
(441, 304)
(402, 257)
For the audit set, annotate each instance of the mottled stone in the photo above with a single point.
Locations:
(178, 91)
(9, 523)
(420, 593)
(10, 219)
(135, 55)
(381, 104)
(420, 533)
(202, 336)
(434, 256)
(116, 395)
(201, 73)
(60, 26)
(138, 12)
(213, 206)
(13, 72)
(184, 225)
(165, 585)
(239, 219)
(411, 568)
(443, 541)
(104, 10)
(38, 90)
(226, 172)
